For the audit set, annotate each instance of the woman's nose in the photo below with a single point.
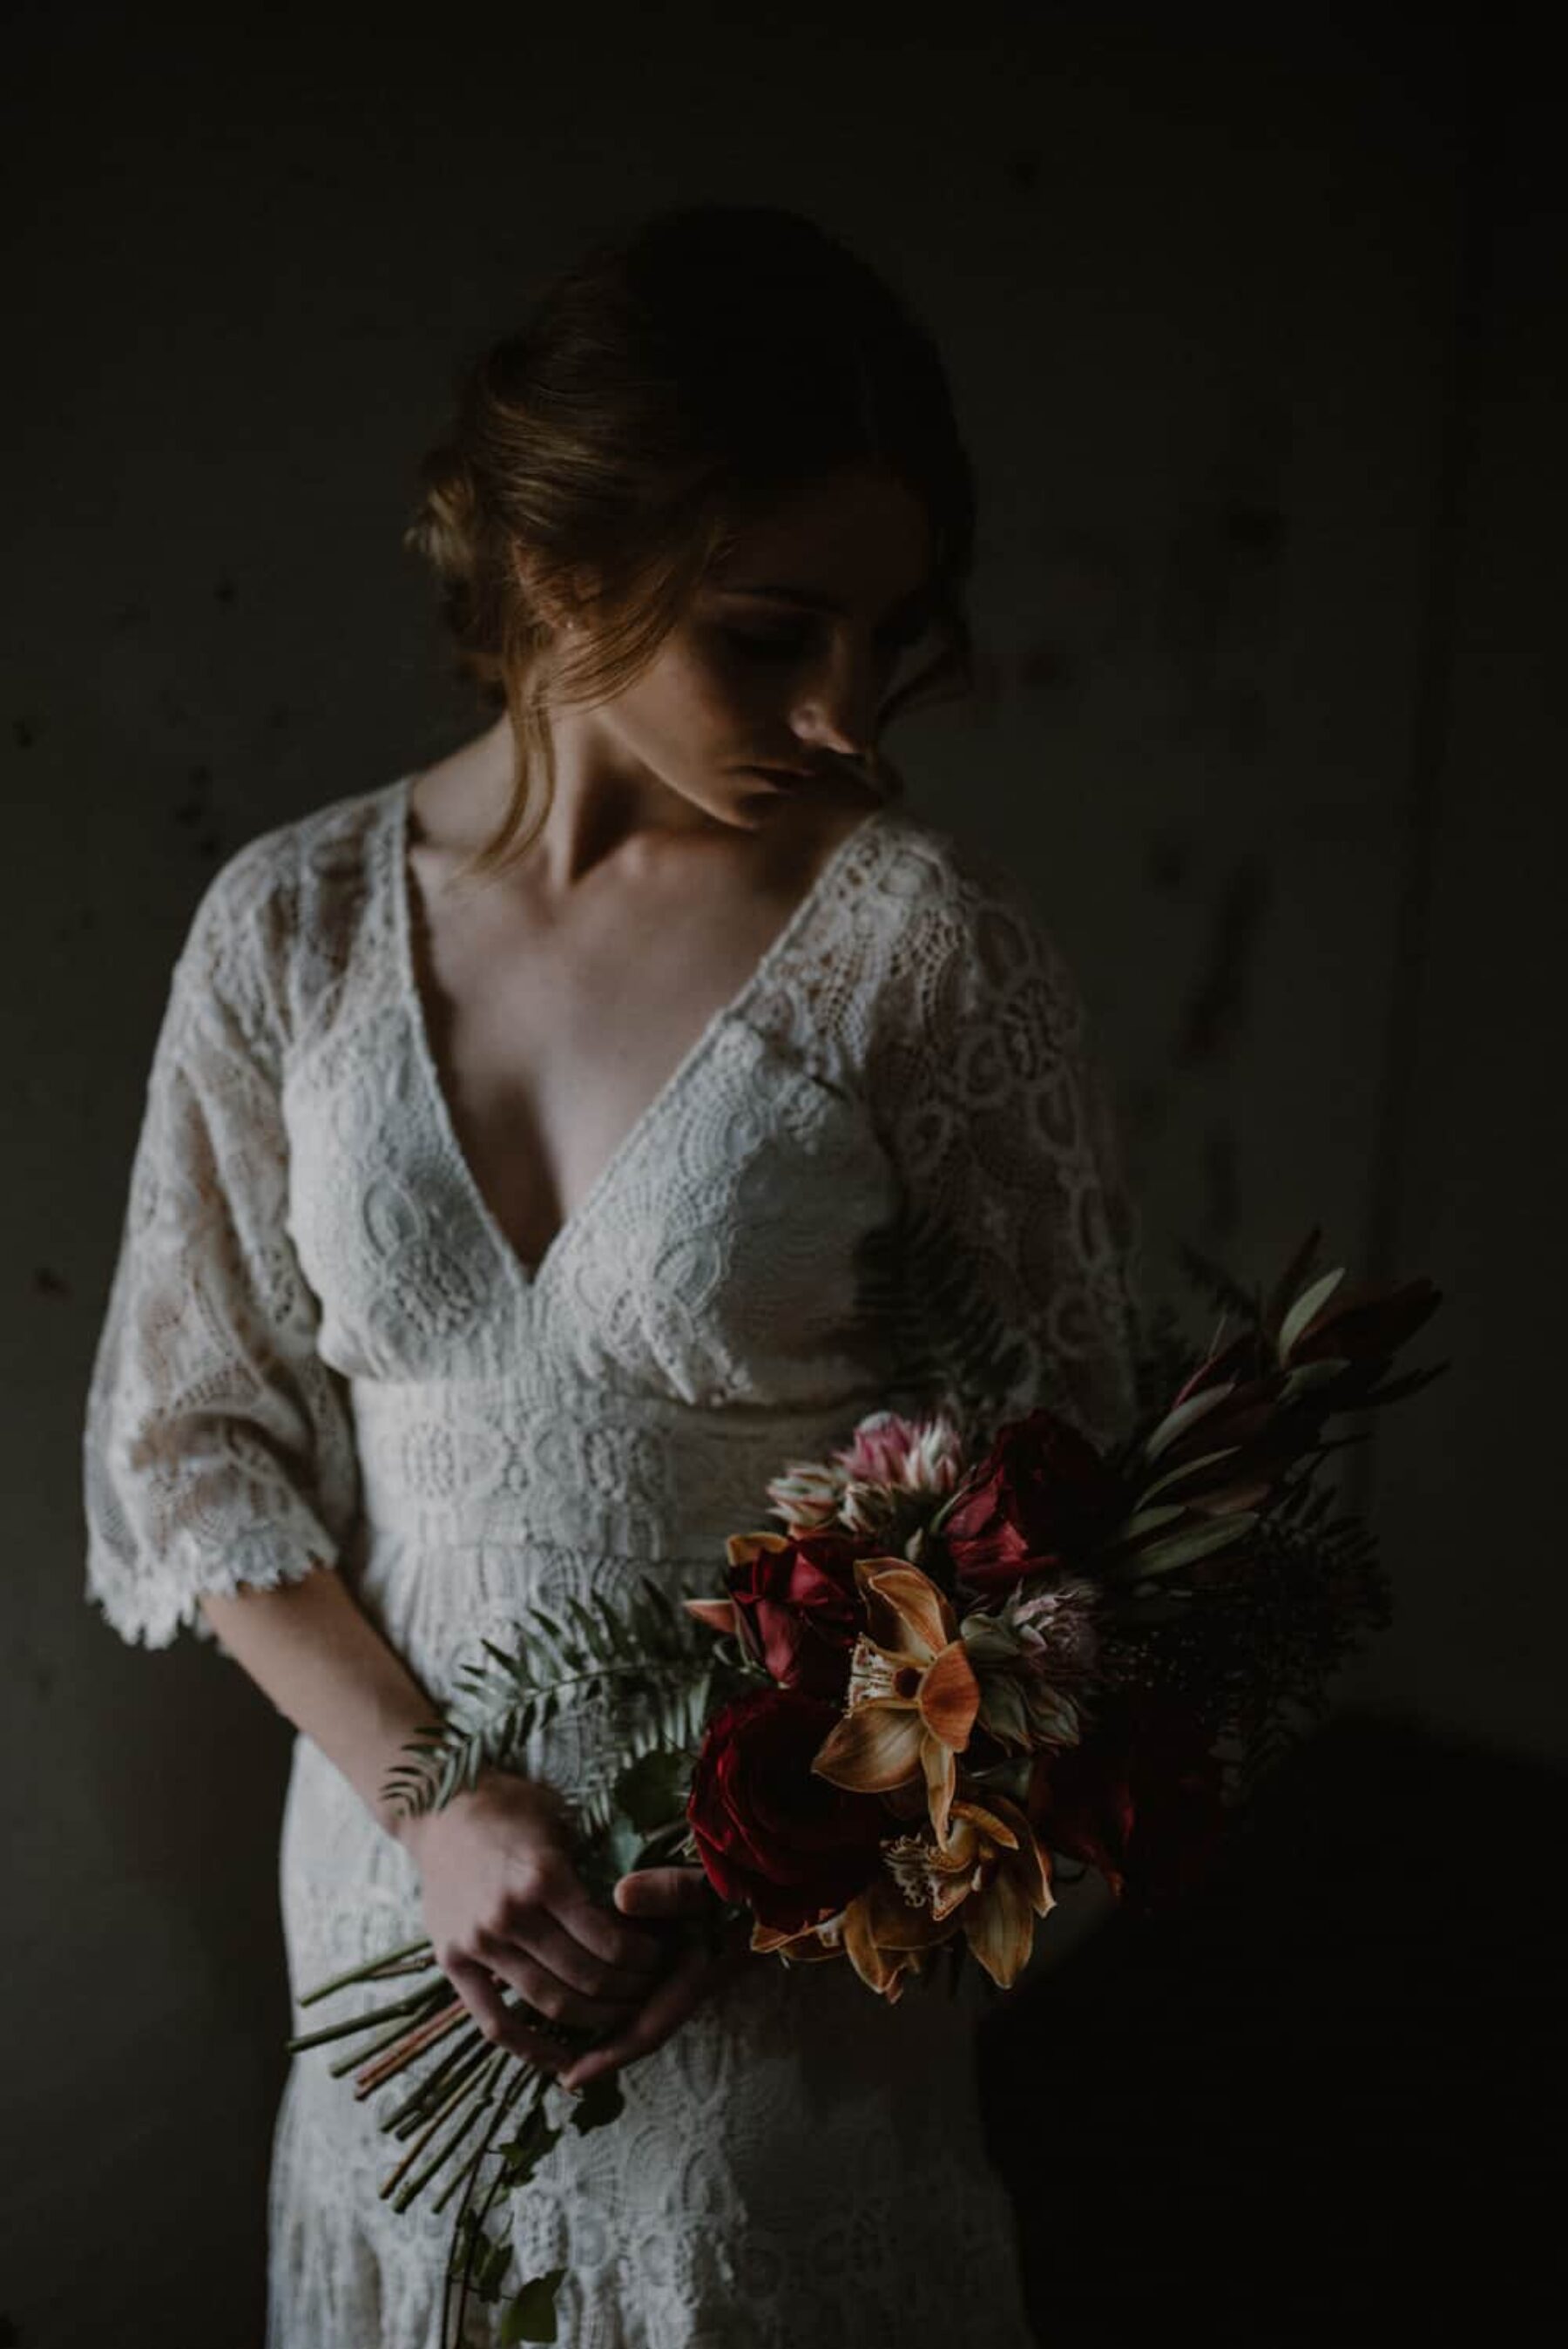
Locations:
(836, 710)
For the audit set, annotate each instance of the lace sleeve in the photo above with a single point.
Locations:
(1021, 1246)
(218, 1449)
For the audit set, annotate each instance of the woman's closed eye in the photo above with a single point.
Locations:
(792, 644)
(771, 647)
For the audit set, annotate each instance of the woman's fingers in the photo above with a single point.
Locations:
(551, 1943)
(522, 1970)
(683, 1988)
(629, 1949)
(501, 2026)
(666, 1892)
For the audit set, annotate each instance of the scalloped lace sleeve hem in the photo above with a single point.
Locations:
(153, 1607)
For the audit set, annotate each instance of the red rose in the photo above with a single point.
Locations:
(800, 1606)
(770, 1832)
(1041, 1498)
(1139, 1799)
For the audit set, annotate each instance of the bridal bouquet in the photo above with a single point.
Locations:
(961, 1657)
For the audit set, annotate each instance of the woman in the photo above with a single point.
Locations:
(539, 1151)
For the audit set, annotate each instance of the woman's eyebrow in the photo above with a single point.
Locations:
(808, 599)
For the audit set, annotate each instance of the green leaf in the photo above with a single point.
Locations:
(622, 1845)
(531, 2314)
(1002, 1709)
(1010, 1776)
(1189, 1468)
(491, 2272)
(988, 1641)
(522, 2154)
(1145, 1520)
(1305, 1306)
(1176, 1423)
(1304, 1376)
(1163, 1557)
(1053, 1716)
(556, 1635)
(603, 2100)
(654, 1789)
(583, 1624)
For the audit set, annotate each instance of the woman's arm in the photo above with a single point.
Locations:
(312, 1649)
(503, 1904)
(222, 1481)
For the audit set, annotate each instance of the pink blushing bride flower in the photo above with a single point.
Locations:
(807, 1496)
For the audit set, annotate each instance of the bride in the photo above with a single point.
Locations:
(541, 1150)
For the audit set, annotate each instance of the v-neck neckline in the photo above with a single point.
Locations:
(401, 879)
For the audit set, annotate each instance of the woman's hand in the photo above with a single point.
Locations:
(504, 1906)
(684, 1906)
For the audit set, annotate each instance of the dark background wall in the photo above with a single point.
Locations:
(1257, 332)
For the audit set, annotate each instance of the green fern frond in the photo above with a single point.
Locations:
(643, 1655)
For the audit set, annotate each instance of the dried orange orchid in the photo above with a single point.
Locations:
(881, 1933)
(987, 1875)
(989, 1880)
(912, 1693)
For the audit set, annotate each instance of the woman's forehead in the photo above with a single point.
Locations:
(857, 537)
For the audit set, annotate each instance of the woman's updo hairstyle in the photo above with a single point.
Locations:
(667, 391)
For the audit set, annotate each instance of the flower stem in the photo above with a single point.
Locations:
(359, 2057)
(481, 2097)
(466, 2084)
(434, 2082)
(378, 2014)
(412, 2044)
(462, 2077)
(369, 1972)
(456, 2180)
(508, 2099)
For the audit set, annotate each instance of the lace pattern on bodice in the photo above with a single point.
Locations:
(888, 1168)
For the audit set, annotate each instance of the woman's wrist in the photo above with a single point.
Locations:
(493, 1786)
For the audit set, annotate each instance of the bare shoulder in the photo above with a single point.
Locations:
(449, 801)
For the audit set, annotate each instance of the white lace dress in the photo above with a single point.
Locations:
(886, 1167)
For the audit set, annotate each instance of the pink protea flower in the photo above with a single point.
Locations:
(896, 1473)
(917, 1456)
(884, 1482)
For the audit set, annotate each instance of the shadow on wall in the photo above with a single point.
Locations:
(1310, 2106)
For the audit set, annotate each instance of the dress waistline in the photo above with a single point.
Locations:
(531, 1457)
